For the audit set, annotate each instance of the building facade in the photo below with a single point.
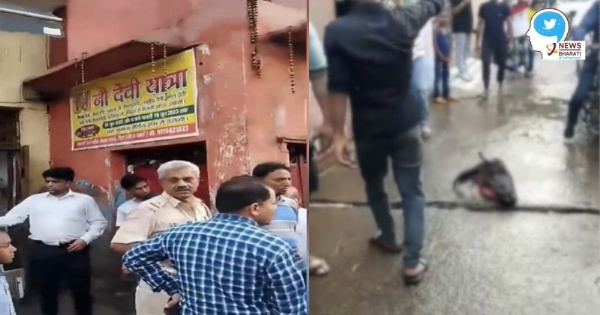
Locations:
(24, 139)
(235, 85)
(242, 119)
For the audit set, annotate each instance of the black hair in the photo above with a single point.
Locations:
(262, 170)
(64, 173)
(239, 192)
(130, 180)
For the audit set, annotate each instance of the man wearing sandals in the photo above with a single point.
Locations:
(369, 55)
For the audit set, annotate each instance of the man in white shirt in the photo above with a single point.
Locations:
(62, 224)
(137, 187)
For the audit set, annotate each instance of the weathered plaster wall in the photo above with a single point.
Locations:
(240, 116)
(94, 26)
(22, 56)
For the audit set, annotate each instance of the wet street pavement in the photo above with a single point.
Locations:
(491, 263)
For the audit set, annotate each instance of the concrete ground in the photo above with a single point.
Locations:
(482, 263)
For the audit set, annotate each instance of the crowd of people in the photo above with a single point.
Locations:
(249, 258)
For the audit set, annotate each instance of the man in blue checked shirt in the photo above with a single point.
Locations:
(228, 265)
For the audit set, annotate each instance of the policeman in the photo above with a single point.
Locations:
(176, 205)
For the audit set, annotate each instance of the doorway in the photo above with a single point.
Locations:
(144, 162)
(298, 155)
(14, 174)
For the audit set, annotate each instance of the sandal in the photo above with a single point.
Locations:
(318, 266)
(416, 278)
(386, 246)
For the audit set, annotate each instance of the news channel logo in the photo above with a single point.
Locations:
(547, 32)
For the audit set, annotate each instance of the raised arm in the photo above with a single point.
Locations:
(289, 290)
(18, 214)
(95, 219)
(143, 260)
(415, 16)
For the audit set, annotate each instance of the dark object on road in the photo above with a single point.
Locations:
(491, 181)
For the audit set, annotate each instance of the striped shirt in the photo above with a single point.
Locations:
(225, 266)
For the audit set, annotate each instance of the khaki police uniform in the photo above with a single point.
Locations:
(148, 220)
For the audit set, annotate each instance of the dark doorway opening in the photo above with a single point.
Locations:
(298, 155)
(144, 163)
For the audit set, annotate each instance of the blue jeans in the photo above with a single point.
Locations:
(406, 154)
(441, 87)
(584, 86)
(422, 81)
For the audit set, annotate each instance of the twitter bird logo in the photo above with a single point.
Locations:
(552, 24)
(548, 25)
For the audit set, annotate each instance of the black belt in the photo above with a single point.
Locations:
(61, 244)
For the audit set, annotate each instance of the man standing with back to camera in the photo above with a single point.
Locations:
(369, 52)
(62, 224)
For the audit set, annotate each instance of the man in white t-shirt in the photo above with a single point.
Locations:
(137, 187)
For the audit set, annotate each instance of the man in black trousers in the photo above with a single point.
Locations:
(62, 224)
(494, 33)
(369, 52)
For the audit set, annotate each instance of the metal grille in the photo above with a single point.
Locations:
(9, 129)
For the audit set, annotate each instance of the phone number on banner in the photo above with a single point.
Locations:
(136, 137)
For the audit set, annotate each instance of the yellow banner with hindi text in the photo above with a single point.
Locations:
(137, 105)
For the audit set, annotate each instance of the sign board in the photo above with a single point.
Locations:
(137, 105)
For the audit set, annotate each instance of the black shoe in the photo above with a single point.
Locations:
(385, 245)
(569, 132)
